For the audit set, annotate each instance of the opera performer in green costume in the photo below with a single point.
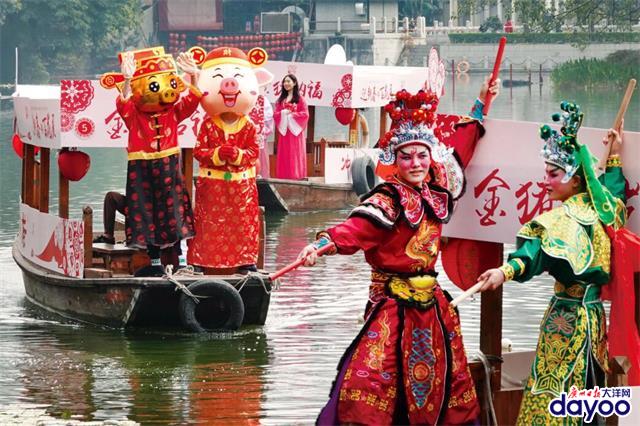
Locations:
(573, 243)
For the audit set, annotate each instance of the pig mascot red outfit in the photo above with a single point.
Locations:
(158, 209)
(226, 209)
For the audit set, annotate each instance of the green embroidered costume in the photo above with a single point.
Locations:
(571, 244)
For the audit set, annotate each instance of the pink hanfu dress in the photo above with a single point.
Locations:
(291, 122)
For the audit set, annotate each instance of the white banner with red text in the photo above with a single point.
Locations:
(505, 178)
(49, 241)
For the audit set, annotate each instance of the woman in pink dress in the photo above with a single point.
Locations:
(291, 117)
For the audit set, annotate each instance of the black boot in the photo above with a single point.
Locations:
(245, 269)
(104, 239)
(150, 271)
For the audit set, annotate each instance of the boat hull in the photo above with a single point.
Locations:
(127, 301)
(284, 195)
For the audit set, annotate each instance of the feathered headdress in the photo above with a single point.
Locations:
(413, 119)
(561, 149)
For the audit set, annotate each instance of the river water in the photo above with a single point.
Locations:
(276, 374)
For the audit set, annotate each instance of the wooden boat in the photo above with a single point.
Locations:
(125, 301)
(285, 195)
(66, 273)
(516, 83)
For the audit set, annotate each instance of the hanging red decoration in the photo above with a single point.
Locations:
(73, 165)
(464, 260)
(345, 115)
(18, 146)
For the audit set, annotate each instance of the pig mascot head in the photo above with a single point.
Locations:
(231, 80)
(155, 85)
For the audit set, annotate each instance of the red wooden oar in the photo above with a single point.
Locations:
(494, 74)
(299, 262)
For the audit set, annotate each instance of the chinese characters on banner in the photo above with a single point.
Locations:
(505, 186)
(349, 86)
(504, 179)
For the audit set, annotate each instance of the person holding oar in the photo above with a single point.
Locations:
(583, 246)
(407, 365)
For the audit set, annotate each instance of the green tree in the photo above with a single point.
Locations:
(430, 9)
(66, 38)
(532, 15)
(468, 7)
(589, 13)
(6, 7)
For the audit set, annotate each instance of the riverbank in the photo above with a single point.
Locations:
(614, 70)
(405, 49)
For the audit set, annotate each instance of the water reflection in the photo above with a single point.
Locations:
(96, 374)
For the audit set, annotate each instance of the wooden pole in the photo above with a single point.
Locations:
(23, 189)
(87, 218)
(511, 80)
(276, 137)
(187, 171)
(36, 183)
(28, 152)
(353, 130)
(383, 123)
(540, 80)
(491, 329)
(45, 155)
(618, 121)
(453, 79)
(63, 202)
(311, 127)
(261, 238)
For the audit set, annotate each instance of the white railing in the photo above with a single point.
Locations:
(415, 27)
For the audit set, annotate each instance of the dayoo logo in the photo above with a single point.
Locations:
(588, 403)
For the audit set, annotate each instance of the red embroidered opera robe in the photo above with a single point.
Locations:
(407, 364)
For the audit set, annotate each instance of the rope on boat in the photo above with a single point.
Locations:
(491, 412)
(189, 271)
(168, 275)
(252, 275)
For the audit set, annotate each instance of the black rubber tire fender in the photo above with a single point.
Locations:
(222, 309)
(363, 175)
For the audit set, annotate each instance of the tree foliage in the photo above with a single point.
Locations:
(604, 13)
(58, 38)
(430, 9)
(593, 15)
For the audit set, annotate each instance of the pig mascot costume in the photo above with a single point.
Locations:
(226, 209)
(158, 210)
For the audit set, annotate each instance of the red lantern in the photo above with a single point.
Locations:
(73, 165)
(464, 260)
(18, 146)
(345, 115)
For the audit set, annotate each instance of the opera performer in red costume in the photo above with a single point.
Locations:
(158, 209)
(407, 365)
(226, 209)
